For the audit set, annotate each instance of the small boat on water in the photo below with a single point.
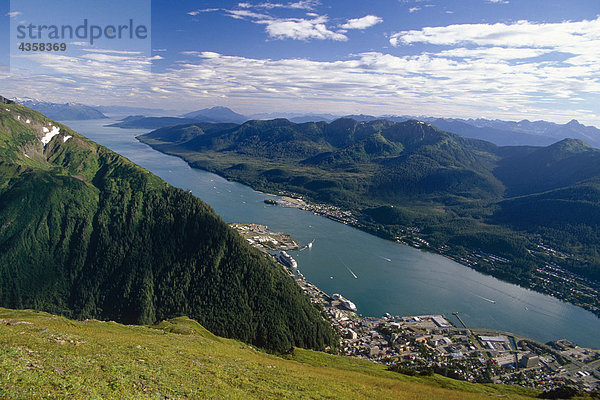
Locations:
(488, 300)
(309, 245)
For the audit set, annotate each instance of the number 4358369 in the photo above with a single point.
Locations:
(27, 46)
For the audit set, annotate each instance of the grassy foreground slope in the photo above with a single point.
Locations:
(86, 233)
(42, 355)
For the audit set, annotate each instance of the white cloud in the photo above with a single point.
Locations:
(500, 71)
(362, 23)
(299, 5)
(314, 26)
(563, 36)
(491, 53)
(291, 28)
(13, 14)
(498, 1)
(413, 9)
(204, 10)
(301, 29)
(245, 14)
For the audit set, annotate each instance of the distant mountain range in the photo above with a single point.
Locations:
(504, 133)
(295, 117)
(77, 111)
(508, 133)
(62, 112)
(216, 114)
(499, 132)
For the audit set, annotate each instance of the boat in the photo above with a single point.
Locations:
(486, 299)
(287, 260)
(345, 302)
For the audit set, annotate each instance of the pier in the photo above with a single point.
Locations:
(455, 313)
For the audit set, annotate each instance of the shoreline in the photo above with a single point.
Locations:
(415, 242)
(412, 239)
(426, 344)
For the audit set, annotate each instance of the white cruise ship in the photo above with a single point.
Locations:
(287, 260)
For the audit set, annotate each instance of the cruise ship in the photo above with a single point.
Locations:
(286, 260)
(345, 302)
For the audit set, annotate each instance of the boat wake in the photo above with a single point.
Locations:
(308, 246)
(486, 299)
(348, 268)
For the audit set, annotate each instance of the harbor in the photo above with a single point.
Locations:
(425, 344)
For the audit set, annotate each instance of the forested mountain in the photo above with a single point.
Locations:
(499, 132)
(464, 191)
(88, 234)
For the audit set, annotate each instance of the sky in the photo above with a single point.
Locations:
(505, 59)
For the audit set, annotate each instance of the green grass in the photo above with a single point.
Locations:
(42, 355)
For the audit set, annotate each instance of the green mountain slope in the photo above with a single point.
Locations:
(377, 159)
(559, 165)
(87, 234)
(47, 356)
(468, 193)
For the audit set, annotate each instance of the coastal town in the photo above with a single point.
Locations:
(549, 277)
(427, 344)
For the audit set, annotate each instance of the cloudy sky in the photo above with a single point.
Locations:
(507, 59)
